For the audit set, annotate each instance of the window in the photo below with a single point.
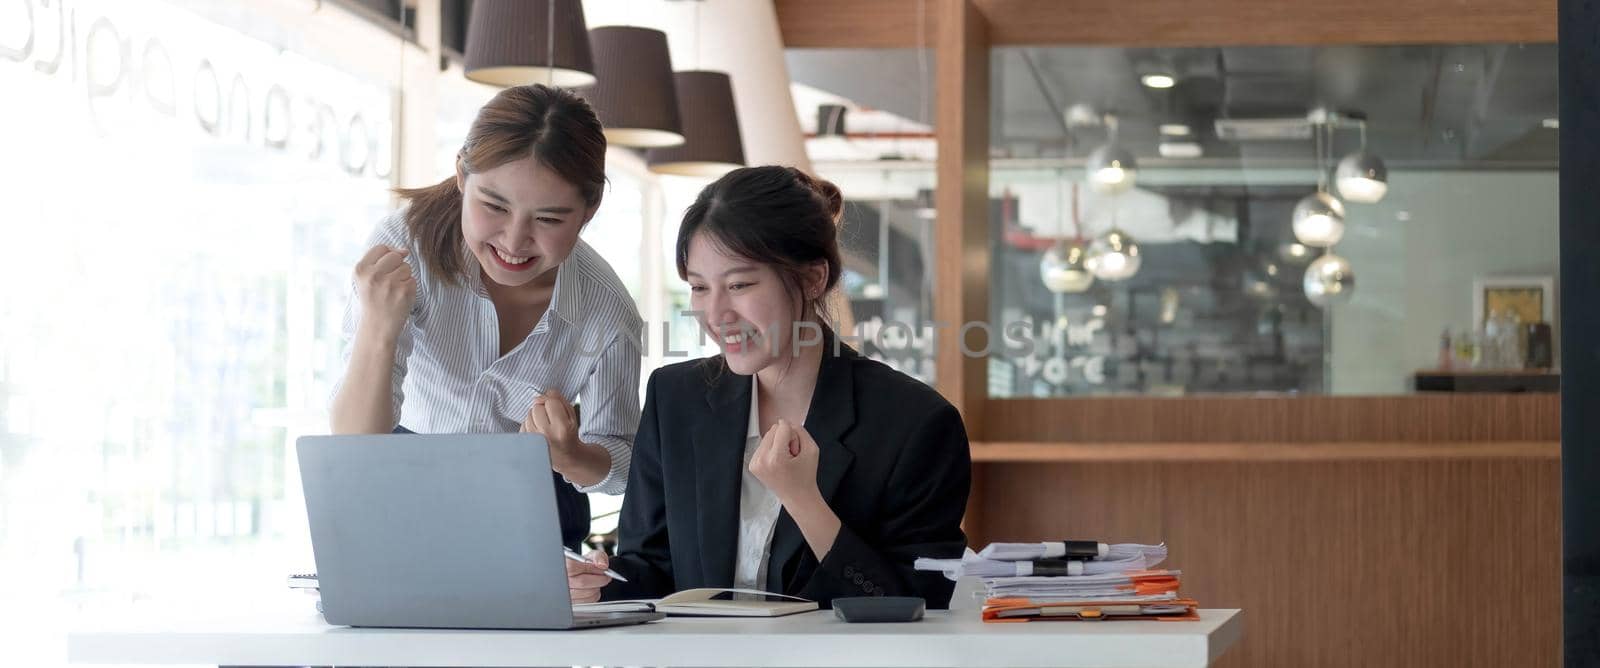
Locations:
(182, 204)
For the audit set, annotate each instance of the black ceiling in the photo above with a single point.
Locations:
(1474, 105)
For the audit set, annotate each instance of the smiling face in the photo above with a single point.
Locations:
(745, 306)
(520, 220)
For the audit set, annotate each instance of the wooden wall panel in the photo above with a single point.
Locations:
(1154, 23)
(856, 24)
(1427, 563)
(1325, 419)
(961, 230)
(1269, 22)
(988, 451)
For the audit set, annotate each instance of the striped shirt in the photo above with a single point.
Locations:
(449, 376)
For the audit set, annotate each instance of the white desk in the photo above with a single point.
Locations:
(943, 639)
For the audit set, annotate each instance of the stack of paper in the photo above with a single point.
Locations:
(1008, 560)
(1138, 585)
(1071, 580)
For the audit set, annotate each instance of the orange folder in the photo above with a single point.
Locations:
(1147, 583)
(1008, 610)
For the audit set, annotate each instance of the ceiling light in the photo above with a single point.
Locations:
(1064, 268)
(1329, 280)
(1175, 130)
(509, 44)
(1099, 310)
(1158, 80)
(924, 204)
(712, 145)
(1112, 169)
(1180, 149)
(634, 96)
(1319, 220)
(1082, 116)
(830, 120)
(1169, 305)
(1114, 256)
(1362, 177)
(1256, 286)
(1552, 123)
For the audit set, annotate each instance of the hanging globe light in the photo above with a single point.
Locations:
(1114, 256)
(1259, 287)
(1329, 280)
(1319, 220)
(1294, 253)
(1064, 268)
(1362, 177)
(1112, 169)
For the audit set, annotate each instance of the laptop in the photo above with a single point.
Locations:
(439, 531)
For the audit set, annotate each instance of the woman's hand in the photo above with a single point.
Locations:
(386, 288)
(584, 580)
(786, 462)
(552, 417)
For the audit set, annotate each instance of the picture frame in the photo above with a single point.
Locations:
(1531, 297)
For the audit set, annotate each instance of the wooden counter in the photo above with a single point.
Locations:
(1258, 452)
(1420, 530)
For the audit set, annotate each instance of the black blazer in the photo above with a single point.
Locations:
(894, 466)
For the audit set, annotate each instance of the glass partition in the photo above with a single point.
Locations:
(868, 118)
(1362, 220)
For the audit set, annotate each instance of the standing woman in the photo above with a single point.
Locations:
(789, 463)
(479, 310)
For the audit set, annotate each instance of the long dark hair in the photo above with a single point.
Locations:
(778, 216)
(554, 125)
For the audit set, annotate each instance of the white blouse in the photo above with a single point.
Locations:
(758, 510)
(449, 375)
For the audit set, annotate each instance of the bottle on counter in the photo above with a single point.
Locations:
(1540, 352)
(1447, 353)
(1467, 350)
(1493, 341)
(1516, 341)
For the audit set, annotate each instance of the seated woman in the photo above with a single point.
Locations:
(789, 463)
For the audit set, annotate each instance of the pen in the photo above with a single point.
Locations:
(575, 557)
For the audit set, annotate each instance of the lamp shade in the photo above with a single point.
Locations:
(635, 96)
(711, 146)
(508, 44)
(830, 120)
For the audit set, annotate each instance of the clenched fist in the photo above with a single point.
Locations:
(386, 288)
(553, 418)
(786, 462)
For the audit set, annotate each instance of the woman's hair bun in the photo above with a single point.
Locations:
(832, 199)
